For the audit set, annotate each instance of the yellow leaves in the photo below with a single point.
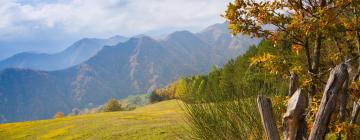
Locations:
(354, 90)
(336, 56)
(339, 128)
(266, 60)
(354, 86)
(306, 82)
(286, 100)
(344, 127)
(314, 107)
(351, 131)
(296, 69)
(274, 38)
(276, 99)
(279, 104)
(296, 48)
(266, 57)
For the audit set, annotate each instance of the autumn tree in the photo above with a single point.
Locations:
(59, 115)
(321, 33)
(315, 26)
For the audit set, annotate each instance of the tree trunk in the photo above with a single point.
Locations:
(294, 123)
(317, 50)
(266, 112)
(315, 68)
(307, 53)
(338, 77)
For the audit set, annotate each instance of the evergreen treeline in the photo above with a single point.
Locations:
(222, 104)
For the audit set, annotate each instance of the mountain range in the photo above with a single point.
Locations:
(138, 65)
(75, 54)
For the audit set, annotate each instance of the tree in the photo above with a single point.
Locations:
(310, 25)
(321, 34)
(59, 115)
(112, 105)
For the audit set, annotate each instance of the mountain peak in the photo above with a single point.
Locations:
(117, 37)
(181, 35)
(219, 27)
(141, 38)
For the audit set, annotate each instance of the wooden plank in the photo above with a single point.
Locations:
(266, 112)
(355, 112)
(343, 101)
(337, 78)
(294, 123)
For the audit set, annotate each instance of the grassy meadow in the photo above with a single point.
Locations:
(163, 120)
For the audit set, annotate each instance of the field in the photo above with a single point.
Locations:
(164, 120)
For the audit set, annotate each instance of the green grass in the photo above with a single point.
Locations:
(164, 120)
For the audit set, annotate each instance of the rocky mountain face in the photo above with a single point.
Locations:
(138, 65)
(79, 52)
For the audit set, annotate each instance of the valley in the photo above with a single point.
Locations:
(138, 65)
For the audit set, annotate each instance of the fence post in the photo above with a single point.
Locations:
(294, 123)
(266, 112)
(338, 76)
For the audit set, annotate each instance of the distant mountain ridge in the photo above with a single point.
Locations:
(78, 52)
(138, 65)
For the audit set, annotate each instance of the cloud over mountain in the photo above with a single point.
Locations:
(103, 18)
(47, 26)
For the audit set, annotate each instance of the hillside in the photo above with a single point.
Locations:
(135, 66)
(162, 120)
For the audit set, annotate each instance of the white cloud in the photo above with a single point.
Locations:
(102, 18)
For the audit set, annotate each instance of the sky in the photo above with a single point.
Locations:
(52, 25)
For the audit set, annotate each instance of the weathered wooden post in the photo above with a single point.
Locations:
(355, 112)
(343, 101)
(267, 118)
(294, 123)
(338, 76)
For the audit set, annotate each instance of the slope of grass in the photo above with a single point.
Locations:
(162, 120)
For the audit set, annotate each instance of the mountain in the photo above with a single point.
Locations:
(225, 44)
(6, 52)
(75, 54)
(138, 65)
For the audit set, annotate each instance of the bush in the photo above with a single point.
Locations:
(75, 111)
(59, 115)
(154, 97)
(112, 105)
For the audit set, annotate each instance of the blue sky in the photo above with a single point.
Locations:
(52, 25)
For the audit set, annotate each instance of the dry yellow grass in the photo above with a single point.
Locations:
(164, 120)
